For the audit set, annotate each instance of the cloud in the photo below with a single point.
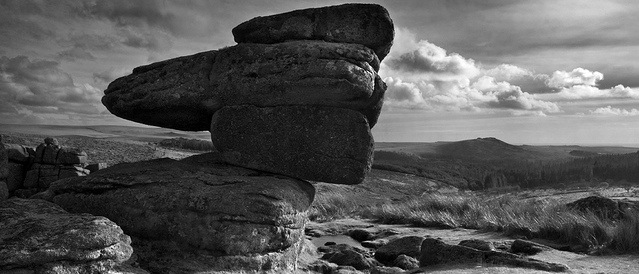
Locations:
(107, 76)
(578, 76)
(579, 92)
(76, 53)
(527, 80)
(37, 84)
(421, 75)
(610, 111)
(429, 58)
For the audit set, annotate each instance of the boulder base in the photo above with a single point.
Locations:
(36, 235)
(198, 205)
(313, 143)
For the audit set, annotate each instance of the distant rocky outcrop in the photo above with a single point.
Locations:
(604, 208)
(40, 237)
(32, 170)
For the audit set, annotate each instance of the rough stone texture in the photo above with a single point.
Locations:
(387, 270)
(601, 206)
(55, 155)
(313, 143)
(434, 252)
(95, 167)
(4, 191)
(164, 257)
(526, 247)
(16, 176)
(360, 235)
(42, 175)
(36, 235)
(19, 153)
(183, 93)
(198, 203)
(346, 255)
(365, 24)
(409, 245)
(406, 262)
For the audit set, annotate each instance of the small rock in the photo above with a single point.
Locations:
(374, 243)
(322, 266)
(347, 270)
(96, 166)
(525, 247)
(478, 244)
(406, 262)
(410, 245)
(434, 251)
(360, 235)
(346, 255)
(51, 141)
(329, 243)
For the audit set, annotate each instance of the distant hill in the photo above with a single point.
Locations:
(484, 149)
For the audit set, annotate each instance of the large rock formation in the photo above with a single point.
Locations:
(183, 93)
(364, 24)
(38, 236)
(316, 143)
(198, 204)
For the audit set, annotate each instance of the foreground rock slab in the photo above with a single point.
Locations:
(365, 24)
(36, 235)
(435, 252)
(313, 143)
(183, 93)
(197, 205)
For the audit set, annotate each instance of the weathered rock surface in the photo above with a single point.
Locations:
(4, 171)
(409, 245)
(603, 207)
(39, 236)
(434, 252)
(478, 244)
(198, 204)
(19, 153)
(48, 153)
(365, 24)
(183, 93)
(313, 143)
(346, 255)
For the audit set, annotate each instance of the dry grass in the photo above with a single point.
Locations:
(536, 218)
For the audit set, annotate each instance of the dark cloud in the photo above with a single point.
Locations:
(41, 83)
(76, 53)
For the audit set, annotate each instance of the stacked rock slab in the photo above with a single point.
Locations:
(214, 215)
(295, 100)
(322, 60)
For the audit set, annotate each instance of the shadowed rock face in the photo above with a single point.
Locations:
(183, 93)
(366, 24)
(42, 237)
(198, 203)
(313, 143)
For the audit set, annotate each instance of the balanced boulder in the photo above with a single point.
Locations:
(365, 24)
(36, 235)
(314, 143)
(183, 93)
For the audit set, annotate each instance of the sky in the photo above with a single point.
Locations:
(526, 72)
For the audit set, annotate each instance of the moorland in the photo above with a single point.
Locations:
(481, 188)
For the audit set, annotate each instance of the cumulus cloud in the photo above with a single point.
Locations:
(578, 76)
(37, 84)
(610, 111)
(423, 75)
(76, 53)
(429, 58)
